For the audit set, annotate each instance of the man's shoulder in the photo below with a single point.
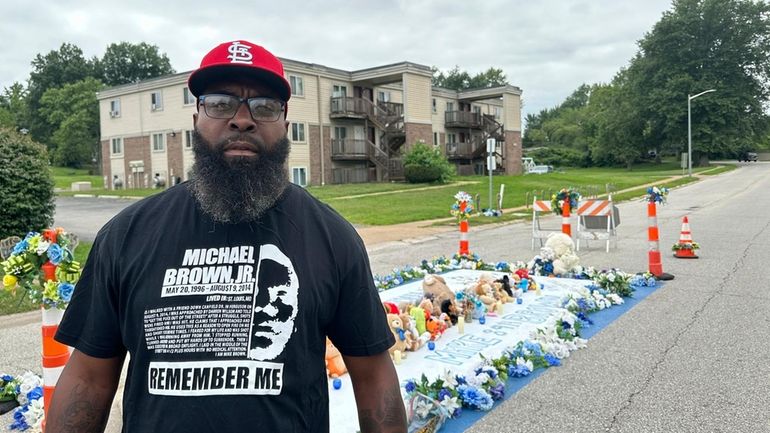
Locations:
(303, 204)
(168, 202)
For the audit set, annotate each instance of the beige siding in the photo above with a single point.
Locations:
(512, 111)
(417, 108)
(136, 117)
(304, 108)
(300, 157)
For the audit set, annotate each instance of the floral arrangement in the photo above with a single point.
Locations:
(27, 390)
(557, 200)
(435, 266)
(542, 264)
(657, 195)
(446, 396)
(614, 281)
(43, 265)
(645, 279)
(685, 246)
(462, 207)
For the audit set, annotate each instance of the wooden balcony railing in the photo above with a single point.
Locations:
(352, 175)
(460, 150)
(462, 119)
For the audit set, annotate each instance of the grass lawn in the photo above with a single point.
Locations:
(416, 205)
(18, 302)
(64, 176)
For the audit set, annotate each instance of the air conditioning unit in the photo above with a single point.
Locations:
(114, 113)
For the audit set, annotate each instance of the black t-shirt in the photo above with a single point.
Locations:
(225, 323)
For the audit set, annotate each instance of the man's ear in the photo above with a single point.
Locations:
(195, 119)
(286, 124)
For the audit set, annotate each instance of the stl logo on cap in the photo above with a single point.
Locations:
(239, 53)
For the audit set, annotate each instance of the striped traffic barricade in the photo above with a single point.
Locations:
(540, 207)
(590, 225)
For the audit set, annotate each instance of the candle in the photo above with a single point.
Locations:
(431, 345)
(461, 324)
(337, 383)
(524, 284)
(482, 320)
(519, 300)
(537, 289)
(397, 357)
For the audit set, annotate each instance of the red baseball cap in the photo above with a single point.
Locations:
(240, 59)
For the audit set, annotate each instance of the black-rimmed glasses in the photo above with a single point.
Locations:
(225, 107)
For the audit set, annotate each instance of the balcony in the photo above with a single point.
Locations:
(353, 175)
(460, 150)
(351, 149)
(350, 107)
(462, 119)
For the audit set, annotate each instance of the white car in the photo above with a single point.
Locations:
(541, 169)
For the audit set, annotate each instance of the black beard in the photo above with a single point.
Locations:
(234, 190)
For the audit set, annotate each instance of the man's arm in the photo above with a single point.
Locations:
(84, 393)
(378, 395)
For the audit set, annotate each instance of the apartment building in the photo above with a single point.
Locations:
(344, 126)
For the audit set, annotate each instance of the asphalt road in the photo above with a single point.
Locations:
(691, 357)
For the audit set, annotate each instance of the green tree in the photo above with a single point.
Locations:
(700, 45)
(55, 69)
(26, 185)
(457, 79)
(13, 107)
(74, 111)
(125, 62)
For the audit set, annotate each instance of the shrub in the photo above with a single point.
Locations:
(424, 163)
(26, 185)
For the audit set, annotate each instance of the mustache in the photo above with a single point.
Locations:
(241, 141)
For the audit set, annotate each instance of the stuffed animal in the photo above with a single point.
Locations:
(502, 289)
(397, 328)
(436, 327)
(434, 288)
(450, 309)
(418, 314)
(390, 308)
(414, 339)
(335, 366)
(563, 247)
(484, 292)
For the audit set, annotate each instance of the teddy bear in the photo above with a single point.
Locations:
(335, 366)
(484, 292)
(502, 289)
(564, 257)
(436, 327)
(415, 340)
(397, 328)
(434, 287)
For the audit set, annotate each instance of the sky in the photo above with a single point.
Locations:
(547, 48)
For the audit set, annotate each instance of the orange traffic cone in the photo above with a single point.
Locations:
(685, 248)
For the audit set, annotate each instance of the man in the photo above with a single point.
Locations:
(223, 288)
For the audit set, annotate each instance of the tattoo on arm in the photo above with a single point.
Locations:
(388, 416)
(84, 412)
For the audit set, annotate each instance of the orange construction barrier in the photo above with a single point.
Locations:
(686, 247)
(566, 227)
(656, 267)
(464, 251)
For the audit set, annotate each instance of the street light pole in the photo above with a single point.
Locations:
(689, 129)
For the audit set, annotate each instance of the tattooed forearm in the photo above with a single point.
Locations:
(82, 411)
(388, 416)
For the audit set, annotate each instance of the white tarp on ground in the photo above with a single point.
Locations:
(459, 352)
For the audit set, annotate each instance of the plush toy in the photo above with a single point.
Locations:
(397, 328)
(415, 340)
(427, 305)
(484, 293)
(502, 289)
(436, 327)
(563, 247)
(335, 366)
(390, 308)
(434, 288)
(418, 314)
(451, 310)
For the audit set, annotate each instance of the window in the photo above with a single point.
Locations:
(299, 176)
(158, 142)
(498, 113)
(298, 132)
(450, 106)
(339, 91)
(383, 96)
(297, 85)
(117, 146)
(451, 138)
(340, 132)
(156, 101)
(115, 108)
(434, 105)
(188, 97)
(477, 109)
(188, 139)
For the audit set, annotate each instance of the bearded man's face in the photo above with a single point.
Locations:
(240, 163)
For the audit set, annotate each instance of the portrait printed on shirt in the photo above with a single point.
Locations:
(238, 316)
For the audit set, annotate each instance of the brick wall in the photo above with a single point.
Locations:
(415, 132)
(135, 149)
(106, 167)
(327, 140)
(513, 152)
(314, 141)
(174, 153)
